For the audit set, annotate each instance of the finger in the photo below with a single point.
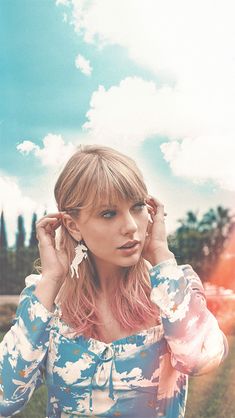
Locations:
(52, 226)
(151, 212)
(151, 205)
(154, 201)
(157, 206)
(47, 226)
(150, 209)
(52, 215)
(46, 221)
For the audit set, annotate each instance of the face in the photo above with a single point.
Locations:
(115, 235)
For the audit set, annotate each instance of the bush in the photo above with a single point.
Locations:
(7, 314)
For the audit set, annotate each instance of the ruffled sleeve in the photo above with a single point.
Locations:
(196, 343)
(23, 350)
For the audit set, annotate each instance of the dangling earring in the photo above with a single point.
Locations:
(80, 254)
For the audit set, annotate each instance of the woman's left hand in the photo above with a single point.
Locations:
(156, 246)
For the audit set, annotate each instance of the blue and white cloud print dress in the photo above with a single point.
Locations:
(144, 375)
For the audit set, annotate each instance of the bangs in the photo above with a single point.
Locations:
(113, 182)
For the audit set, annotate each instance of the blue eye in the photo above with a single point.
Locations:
(109, 214)
(139, 206)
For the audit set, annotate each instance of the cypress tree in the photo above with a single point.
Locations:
(4, 261)
(3, 234)
(20, 235)
(33, 242)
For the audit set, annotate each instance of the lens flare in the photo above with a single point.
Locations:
(220, 288)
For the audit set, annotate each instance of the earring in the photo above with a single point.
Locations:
(80, 254)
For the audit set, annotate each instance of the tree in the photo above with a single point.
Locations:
(186, 242)
(20, 235)
(3, 234)
(216, 227)
(17, 263)
(201, 242)
(33, 242)
(4, 259)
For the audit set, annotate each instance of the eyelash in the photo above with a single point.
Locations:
(141, 205)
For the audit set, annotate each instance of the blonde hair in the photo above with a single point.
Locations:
(95, 174)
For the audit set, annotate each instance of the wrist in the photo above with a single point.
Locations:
(52, 280)
(161, 255)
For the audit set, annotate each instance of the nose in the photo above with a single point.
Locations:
(129, 225)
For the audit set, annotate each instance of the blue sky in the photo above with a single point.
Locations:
(139, 85)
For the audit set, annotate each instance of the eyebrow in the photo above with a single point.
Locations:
(107, 206)
(114, 206)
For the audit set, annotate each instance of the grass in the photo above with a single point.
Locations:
(36, 408)
(210, 396)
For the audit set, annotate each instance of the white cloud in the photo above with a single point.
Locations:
(137, 109)
(119, 116)
(189, 46)
(54, 152)
(13, 202)
(26, 147)
(179, 38)
(62, 2)
(83, 65)
(203, 158)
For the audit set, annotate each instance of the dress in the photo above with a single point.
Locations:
(144, 375)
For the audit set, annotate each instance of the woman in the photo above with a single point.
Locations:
(112, 320)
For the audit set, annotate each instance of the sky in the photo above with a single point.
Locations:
(153, 79)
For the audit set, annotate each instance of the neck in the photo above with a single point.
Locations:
(108, 276)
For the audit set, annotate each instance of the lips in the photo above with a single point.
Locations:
(129, 244)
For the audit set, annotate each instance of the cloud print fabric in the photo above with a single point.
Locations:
(144, 375)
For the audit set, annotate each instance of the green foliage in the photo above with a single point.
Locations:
(17, 263)
(201, 242)
(7, 270)
(212, 395)
(15, 266)
(33, 242)
(36, 408)
(3, 234)
(20, 235)
(7, 314)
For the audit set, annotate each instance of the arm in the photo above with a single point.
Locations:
(23, 351)
(196, 343)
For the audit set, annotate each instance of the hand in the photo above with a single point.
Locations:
(156, 246)
(54, 262)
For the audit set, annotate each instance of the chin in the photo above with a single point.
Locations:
(130, 263)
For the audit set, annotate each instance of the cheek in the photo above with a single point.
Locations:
(95, 237)
(146, 219)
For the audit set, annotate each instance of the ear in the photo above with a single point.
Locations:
(72, 226)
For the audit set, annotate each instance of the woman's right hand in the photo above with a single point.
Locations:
(54, 262)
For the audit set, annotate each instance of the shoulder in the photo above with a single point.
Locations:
(32, 279)
(30, 285)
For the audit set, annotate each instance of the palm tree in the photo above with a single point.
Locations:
(200, 242)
